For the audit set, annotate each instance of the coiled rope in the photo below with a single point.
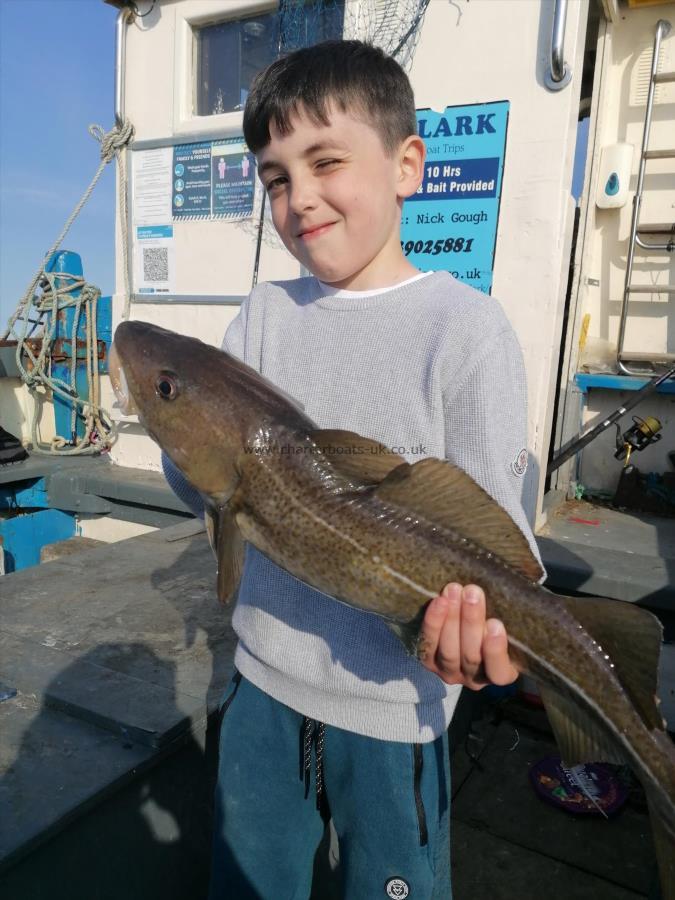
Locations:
(58, 290)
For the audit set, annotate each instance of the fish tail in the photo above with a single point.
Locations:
(664, 845)
(661, 805)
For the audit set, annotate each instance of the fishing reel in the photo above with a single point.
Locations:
(642, 433)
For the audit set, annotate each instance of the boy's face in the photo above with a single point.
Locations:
(336, 198)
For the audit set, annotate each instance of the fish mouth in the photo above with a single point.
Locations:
(125, 402)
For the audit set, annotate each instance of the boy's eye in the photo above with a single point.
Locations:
(279, 181)
(275, 183)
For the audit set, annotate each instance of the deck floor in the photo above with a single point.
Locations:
(120, 652)
(507, 843)
(117, 654)
(610, 552)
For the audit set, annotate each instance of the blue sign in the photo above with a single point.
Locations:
(213, 179)
(193, 163)
(451, 222)
(153, 232)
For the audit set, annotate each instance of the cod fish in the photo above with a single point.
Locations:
(367, 528)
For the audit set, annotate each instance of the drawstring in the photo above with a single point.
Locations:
(306, 735)
(313, 733)
(418, 764)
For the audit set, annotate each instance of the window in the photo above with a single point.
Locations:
(229, 54)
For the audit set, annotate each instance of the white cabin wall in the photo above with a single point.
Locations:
(468, 52)
(212, 257)
(622, 70)
(496, 50)
(623, 98)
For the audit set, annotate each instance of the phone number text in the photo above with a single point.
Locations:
(442, 245)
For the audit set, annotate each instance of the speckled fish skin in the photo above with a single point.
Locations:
(346, 560)
(226, 429)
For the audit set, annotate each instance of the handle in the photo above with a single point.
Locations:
(125, 15)
(559, 73)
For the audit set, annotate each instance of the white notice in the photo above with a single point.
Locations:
(151, 186)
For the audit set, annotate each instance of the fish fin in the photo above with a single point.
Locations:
(228, 546)
(445, 495)
(355, 456)
(409, 633)
(631, 637)
(211, 525)
(579, 737)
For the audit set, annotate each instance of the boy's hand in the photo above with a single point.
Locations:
(461, 646)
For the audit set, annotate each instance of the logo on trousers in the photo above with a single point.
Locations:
(397, 888)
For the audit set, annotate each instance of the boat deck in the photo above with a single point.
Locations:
(508, 844)
(113, 661)
(118, 656)
(610, 553)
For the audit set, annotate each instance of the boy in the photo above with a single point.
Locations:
(328, 715)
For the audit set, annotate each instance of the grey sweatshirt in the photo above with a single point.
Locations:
(429, 368)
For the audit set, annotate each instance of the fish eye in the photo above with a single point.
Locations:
(166, 386)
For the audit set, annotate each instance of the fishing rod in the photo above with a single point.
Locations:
(579, 443)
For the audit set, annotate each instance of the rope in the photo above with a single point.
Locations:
(100, 433)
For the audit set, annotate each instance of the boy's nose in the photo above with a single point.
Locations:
(302, 197)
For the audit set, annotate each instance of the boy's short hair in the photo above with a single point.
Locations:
(355, 76)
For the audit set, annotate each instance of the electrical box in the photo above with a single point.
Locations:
(616, 162)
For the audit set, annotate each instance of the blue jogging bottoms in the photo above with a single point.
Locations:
(281, 776)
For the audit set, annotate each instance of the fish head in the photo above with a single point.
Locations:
(190, 397)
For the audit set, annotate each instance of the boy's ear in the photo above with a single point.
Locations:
(411, 155)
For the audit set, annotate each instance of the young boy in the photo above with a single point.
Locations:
(328, 715)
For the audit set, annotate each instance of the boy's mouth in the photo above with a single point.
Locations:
(315, 231)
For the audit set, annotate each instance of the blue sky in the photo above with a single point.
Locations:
(56, 77)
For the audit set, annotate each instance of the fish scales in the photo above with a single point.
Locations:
(392, 571)
(395, 570)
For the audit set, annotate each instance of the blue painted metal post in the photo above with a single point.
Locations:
(31, 523)
(71, 264)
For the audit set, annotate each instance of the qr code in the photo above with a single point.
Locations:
(155, 264)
